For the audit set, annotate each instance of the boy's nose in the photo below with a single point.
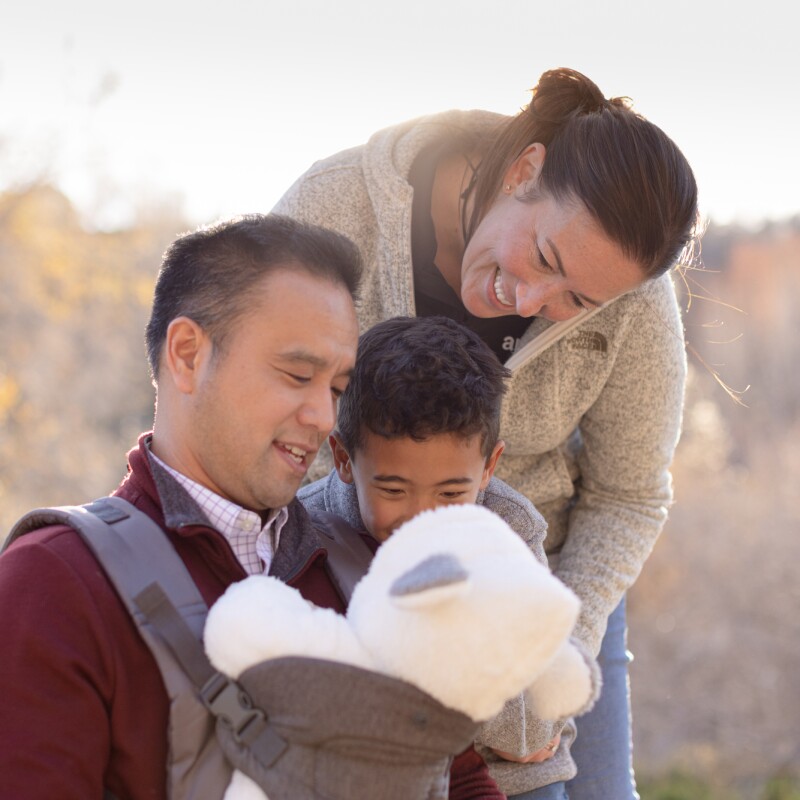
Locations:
(423, 504)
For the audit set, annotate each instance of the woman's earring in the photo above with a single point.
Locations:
(508, 187)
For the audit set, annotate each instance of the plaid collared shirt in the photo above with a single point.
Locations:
(254, 543)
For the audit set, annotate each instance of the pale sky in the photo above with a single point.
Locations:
(221, 105)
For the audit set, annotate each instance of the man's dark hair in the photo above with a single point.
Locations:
(422, 376)
(208, 275)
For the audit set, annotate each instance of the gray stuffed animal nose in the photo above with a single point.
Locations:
(434, 572)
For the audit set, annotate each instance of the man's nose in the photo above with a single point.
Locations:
(319, 411)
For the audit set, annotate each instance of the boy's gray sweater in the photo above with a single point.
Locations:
(515, 729)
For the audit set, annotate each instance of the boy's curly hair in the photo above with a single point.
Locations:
(422, 376)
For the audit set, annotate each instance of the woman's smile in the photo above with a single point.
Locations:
(498, 290)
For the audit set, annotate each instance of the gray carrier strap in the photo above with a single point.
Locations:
(349, 556)
(139, 561)
(159, 593)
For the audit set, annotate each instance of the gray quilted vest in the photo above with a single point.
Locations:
(303, 729)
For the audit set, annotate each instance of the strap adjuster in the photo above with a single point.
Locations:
(233, 707)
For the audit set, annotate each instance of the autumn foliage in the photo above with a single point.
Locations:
(74, 386)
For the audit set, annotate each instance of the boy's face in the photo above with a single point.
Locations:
(396, 479)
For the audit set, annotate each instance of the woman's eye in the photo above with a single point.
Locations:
(542, 261)
(576, 301)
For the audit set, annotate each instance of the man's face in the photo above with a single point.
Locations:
(396, 479)
(265, 402)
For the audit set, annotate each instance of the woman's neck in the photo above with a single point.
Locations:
(452, 177)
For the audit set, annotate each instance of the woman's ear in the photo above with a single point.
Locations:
(525, 168)
(341, 459)
(491, 463)
(186, 347)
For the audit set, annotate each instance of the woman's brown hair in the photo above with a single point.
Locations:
(628, 173)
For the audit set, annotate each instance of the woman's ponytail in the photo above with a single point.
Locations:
(630, 176)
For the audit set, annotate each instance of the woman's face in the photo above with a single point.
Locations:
(541, 258)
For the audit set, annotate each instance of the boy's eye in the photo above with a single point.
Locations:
(390, 492)
(453, 495)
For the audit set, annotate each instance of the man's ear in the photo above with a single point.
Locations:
(491, 463)
(186, 348)
(341, 459)
(525, 168)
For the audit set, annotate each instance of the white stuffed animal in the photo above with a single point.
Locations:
(454, 603)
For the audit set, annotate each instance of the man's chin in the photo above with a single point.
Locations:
(279, 495)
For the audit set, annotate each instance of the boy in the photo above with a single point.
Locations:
(418, 427)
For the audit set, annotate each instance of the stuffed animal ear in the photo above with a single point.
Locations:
(439, 578)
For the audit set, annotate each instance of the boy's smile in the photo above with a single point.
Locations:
(396, 479)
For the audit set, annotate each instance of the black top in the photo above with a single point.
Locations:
(432, 294)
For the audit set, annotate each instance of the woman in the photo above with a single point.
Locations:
(549, 233)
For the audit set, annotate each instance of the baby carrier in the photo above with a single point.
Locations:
(303, 729)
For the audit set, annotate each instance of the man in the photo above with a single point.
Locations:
(251, 340)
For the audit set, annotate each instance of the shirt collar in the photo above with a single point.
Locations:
(252, 540)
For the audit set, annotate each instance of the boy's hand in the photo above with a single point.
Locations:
(547, 752)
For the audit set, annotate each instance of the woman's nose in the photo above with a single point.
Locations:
(531, 298)
(543, 300)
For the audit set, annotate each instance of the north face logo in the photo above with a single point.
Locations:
(589, 340)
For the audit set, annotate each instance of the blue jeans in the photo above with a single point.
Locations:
(553, 791)
(602, 749)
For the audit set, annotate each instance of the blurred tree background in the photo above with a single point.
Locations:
(74, 385)
(715, 617)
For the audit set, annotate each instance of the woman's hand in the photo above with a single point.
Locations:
(547, 752)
